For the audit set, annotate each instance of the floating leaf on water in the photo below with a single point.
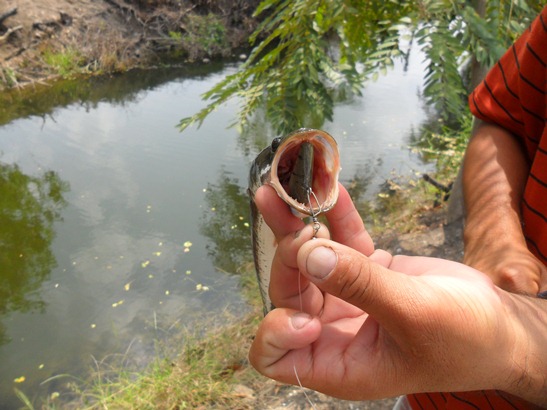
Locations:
(167, 293)
(150, 276)
(41, 366)
(188, 272)
(246, 224)
(54, 395)
(93, 326)
(186, 250)
(145, 264)
(187, 244)
(383, 195)
(205, 288)
(213, 209)
(19, 379)
(157, 253)
(127, 286)
(199, 286)
(241, 218)
(118, 303)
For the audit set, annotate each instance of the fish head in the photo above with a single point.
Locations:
(326, 169)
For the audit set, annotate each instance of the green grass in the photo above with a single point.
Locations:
(65, 63)
(203, 365)
(202, 376)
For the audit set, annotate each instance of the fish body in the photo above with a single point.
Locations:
(304, 161)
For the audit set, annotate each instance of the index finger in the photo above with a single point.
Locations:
(276, 212)
(346, 225)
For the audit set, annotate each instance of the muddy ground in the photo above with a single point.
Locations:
(42, 39)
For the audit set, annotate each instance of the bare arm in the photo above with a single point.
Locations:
(494, 176)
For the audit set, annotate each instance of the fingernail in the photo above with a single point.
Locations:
(542, 295)
(321, 261)
(300, 319)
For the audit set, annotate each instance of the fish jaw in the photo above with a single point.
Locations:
(326, 169)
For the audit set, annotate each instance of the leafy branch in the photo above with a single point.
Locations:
(315, 52)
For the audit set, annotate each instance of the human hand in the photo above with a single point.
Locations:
(376, 326)
(346, 226)
(510, 265)
(495, 172)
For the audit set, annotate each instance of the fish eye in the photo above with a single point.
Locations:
(275, 143)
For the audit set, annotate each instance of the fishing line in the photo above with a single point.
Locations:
(310, 402)
(316, 227)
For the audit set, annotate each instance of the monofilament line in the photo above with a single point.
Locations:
(302, 388)
(316, 227)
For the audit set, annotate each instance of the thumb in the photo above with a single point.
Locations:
(349, 275)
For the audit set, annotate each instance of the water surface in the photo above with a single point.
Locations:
(117, 229)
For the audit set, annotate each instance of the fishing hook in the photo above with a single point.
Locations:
(314, 215)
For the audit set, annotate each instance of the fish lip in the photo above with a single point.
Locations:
(325, 184)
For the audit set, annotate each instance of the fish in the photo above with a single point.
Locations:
(303, 168)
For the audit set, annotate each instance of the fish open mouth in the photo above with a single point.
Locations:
(324, 169)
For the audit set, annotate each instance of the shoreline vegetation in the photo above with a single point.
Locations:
(43, 40)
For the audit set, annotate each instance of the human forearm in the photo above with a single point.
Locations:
(495, 170)
(494, 177)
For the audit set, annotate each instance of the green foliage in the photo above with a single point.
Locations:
(445, 146)
(205, 34)
(8, 77)
(66, 63)
(453, 34)
(315, 52)
(295, 72)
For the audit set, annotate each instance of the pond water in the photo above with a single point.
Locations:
(116, 229)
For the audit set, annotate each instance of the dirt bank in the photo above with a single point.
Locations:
(42, 39)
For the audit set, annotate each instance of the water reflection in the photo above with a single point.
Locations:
(225, 222)
(44, 100)
(29, 205)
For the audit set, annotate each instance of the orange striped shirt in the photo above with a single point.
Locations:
(513, 95)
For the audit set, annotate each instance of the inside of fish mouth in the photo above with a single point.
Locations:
(285, 168)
